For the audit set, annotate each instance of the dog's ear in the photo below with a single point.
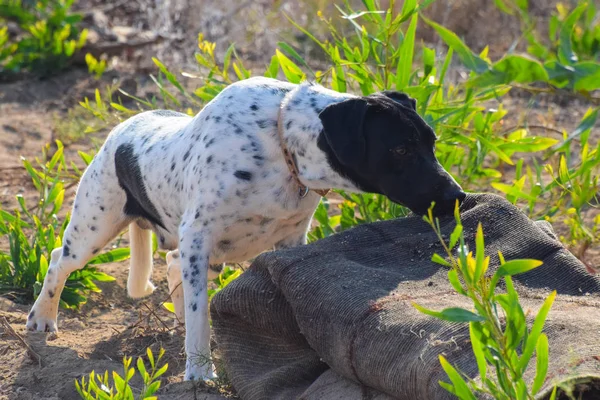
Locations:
(401, 98)
(343, 127)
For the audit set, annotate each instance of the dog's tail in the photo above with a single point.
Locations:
(140, 268)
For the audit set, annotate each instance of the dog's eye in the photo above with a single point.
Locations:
(399, 151)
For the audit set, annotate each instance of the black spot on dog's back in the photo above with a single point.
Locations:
(243, 175)
(130, 179)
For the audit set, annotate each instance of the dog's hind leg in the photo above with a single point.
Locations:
(97, 218)
(175, 288)
(140, 269)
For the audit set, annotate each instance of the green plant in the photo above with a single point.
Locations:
(579, 29)
(566, 187)
(49, 35)
(570, 54)
(33, 232)
(99, 386)
(95, 66)
(354, 210)
(225, 278)
(502, 343)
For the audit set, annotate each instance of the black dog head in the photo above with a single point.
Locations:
(382, 145)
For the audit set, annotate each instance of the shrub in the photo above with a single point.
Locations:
(48, 35)
(578, 29)
(502, 350)
(33, 232)
(99, 386)
(568, 57)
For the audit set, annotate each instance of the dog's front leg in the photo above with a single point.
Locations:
(194, 251)
(175, 286)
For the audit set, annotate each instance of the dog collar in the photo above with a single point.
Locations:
(289, 160)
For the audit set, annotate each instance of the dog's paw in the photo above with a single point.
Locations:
(136, 291)
(150, 288)
(197, 372)
(40, 323)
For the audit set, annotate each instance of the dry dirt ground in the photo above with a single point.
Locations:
(110, 325)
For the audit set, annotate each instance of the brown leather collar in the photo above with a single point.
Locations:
(289, 160)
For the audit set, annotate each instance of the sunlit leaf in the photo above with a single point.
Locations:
(453, 314)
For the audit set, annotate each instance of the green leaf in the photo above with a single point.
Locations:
(511, 69)
(536, 331)
(168, 74)
(161, 371)
(290, 51)
(522, 4)
(588, 121)
(530, 144)
(461, 389)
(436, 258)
(404, 69)
(565, 49)
(541, 363)
(503, 7)
(227, 59)
(43, 268)
(150, 357)
(587, 76)
(501, 155)
(119, 382)
(291, 71)
(428, 61)
(152, 388)
(448, 387)
(453, 314)
(87, 158)
(477, 347)
(271, 72)
(121, 108)
(515, 317)
(471, 60)
(563, 170)
(111, 256)
(32, 173)
(142, 368)
(479, 253)
(101, 276)
(446, 65)
(57, 156)
(458, 230)
(408, 8)
(513, 191)
(514, 267)
(455, 282)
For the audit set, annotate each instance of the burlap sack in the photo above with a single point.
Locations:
(333, 320)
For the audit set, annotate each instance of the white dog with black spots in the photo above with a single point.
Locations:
(217, 187)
